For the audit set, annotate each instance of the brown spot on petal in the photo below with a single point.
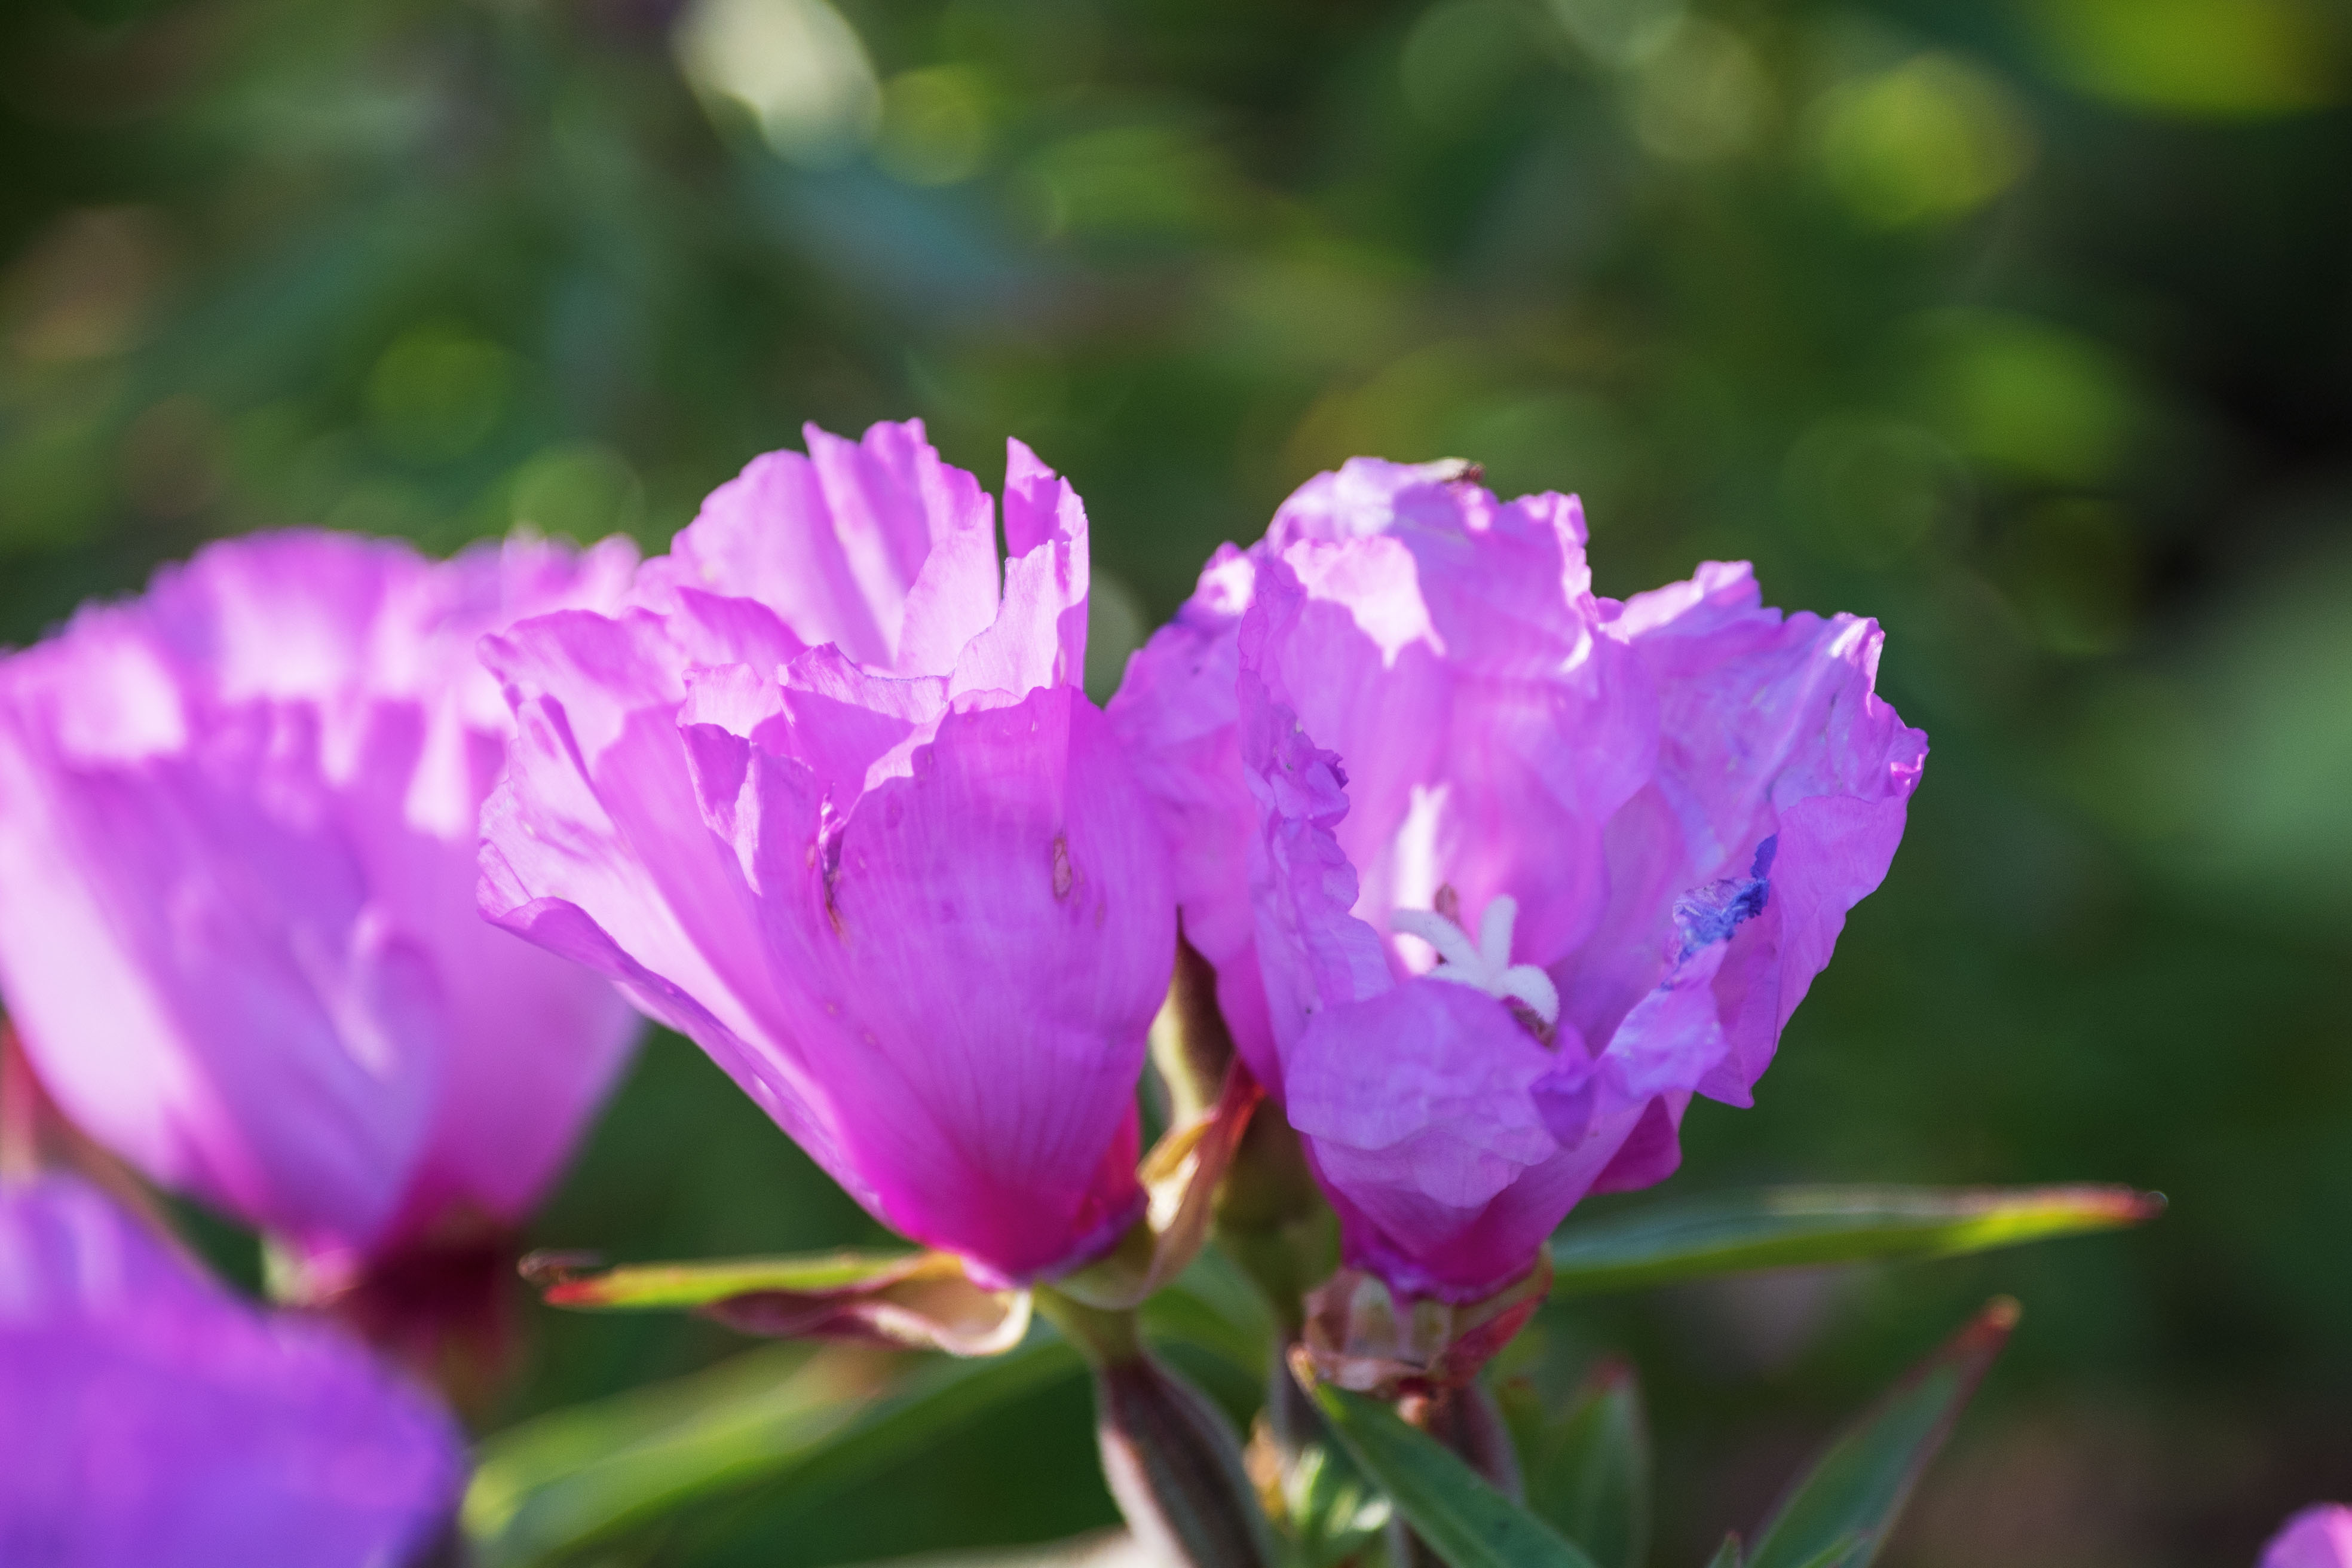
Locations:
(1063, 874)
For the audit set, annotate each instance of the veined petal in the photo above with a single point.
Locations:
(1423, 1115)
(1678, 797)
(976, 1000)
(909, 896)
(238, 823)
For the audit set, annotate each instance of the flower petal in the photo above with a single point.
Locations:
(178, 1424)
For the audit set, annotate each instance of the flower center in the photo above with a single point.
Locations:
(1487, 965)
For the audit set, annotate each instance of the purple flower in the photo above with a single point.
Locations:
(237, 925)
(1496, 873)
(155, 1420)
(828, 805)
(2318, 1537)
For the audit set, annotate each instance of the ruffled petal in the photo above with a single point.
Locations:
(1778, 800)
(613, 841)
(923, 917)
(1674, 799)
(1039, 638)
(1418, 1109)
(841, 543)
(1175, 717)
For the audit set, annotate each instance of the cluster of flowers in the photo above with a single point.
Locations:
(1494, 876)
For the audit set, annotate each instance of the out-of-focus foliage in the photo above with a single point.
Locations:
(2021, 324)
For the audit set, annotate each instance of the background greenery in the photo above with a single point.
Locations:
(2025, 325)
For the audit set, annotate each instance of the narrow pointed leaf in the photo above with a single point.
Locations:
(570, 1280)
(1781, 1227)
(1726, 1555)
(1841, 1553)
(1842, 1509)
(1104, 1549)
(916, 1300)
(799, 1422)
(1587, 1466)
(1455, 1513)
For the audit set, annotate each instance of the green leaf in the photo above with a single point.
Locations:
(1842, 1509)
(1587, 1467)
(1778, 1228)
(677, 1287)
(802, 1422)
(1103, 1549)
(918, 1300)
(1842, 1553)
(1726, 1555)
(1456, 1514)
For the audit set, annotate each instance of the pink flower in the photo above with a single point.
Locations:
(238, 929)
(155, 1421)
(1497, 874)
(2318, 1537)
(828, 805)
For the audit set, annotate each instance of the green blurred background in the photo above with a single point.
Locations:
(2024, 325)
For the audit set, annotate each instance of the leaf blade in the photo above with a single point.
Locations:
(809, 1421)
(1453, 1511)
(672, 1287)
(1782, 1227)
(1842, 1510)
(1587, 1468)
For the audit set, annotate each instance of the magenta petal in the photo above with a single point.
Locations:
(155, 1421)
(839, 544)
(1666, 806)
(238, 819)
(924, 920)
(976, 997)
(1312, 952)
(1039, 638)
(598, 846)
(1430, 1114)
(2318, 1537)
(1174, 714)
(1778, 798)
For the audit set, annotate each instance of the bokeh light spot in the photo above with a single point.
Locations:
(1933, 138)
(2223, 57)
(2030, 399)
(935, 125)
(438, 391)
(1701, 95)
(796, 66)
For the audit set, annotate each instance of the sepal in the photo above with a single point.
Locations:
(1180, 1178)
(1360, 1337)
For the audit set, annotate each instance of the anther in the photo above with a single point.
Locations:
(1487, 965)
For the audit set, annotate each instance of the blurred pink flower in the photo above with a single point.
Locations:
(827, 804)
(2318, 1537)
(237, 929)
(1497, 874)
(156, 1421)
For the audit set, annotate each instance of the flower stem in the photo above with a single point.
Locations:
(1169, 1455)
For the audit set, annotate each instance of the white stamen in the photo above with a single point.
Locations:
(1488, 966)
